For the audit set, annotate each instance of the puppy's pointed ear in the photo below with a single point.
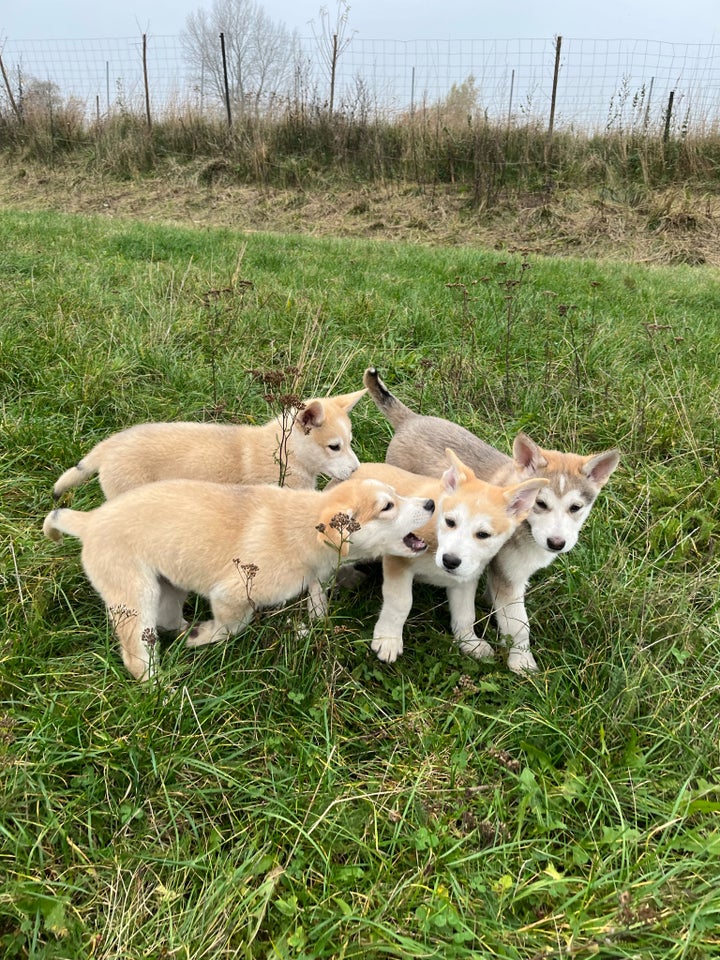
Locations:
(451, 478)
(520, 498)
(457, 474)
(348, 400)
(312, 415)
(527, 455)
(599, 467)
(463, 469)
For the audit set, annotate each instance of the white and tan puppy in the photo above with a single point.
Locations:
(242, 547)
(473, 520)
(551, 528)
(313, 440)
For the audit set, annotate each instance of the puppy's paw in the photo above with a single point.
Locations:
(202, 633)
(521, 661)
(478, 649)
(388, 649)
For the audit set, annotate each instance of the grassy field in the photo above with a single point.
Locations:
(288, 797)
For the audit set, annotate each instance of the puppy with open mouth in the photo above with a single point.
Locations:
(241, 547)
(472, 522)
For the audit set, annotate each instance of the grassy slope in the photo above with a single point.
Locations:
(293, 797)
(672, 222)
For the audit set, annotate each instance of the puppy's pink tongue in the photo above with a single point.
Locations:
(414, 543)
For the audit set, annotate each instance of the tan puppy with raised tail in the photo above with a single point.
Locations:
(550, 529)
(472, 521)
(311, 441)
(242, 547)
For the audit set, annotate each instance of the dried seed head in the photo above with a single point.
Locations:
(248, 570)
(344, 523)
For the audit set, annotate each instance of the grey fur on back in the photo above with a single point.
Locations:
(420, 442)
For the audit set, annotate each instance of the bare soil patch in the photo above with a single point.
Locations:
(675, 225)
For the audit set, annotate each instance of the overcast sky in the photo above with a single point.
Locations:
(693, 21)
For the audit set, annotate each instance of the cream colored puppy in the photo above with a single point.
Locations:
(472, 522)
(315, 440)
(242, 547)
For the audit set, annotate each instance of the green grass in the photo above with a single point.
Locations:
(281, 796)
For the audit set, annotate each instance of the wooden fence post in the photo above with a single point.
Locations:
(553, 98)
(668, 117)
(225, 79)
(333, 70)
(646, 118)
(15, 109)
(147, 87)
(512, 90)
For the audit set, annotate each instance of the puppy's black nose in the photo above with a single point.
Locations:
(430, 506)
(450, 561)
(555, 543)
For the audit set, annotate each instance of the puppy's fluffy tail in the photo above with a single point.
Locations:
(394, 409)
(83, 470)
(60, 521)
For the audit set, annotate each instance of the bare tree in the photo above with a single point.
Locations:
(261, 55)
(332, 42)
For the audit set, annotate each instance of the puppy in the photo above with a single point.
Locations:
(550, 529)
(473, 519)
(313, 440)
(242, 547)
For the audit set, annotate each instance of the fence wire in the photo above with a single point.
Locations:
(602, 84)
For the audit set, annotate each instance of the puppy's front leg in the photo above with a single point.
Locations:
(317, 601)
(461, 599)
(507, 598)
(397, 603)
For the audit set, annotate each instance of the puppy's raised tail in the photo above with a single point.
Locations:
(63, 520)
(394, 409)
(86, 468)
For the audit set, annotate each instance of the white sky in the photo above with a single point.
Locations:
(693, 21)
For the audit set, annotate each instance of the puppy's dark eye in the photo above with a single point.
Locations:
(388, 506)
(482, 535)
(449, 522)
(575, 508)
(335, 447)
(541, 505)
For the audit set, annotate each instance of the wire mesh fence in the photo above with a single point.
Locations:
(600, 84)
